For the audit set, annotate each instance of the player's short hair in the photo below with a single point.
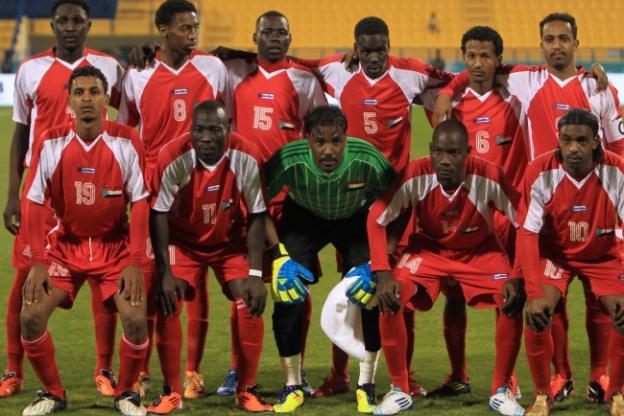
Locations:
(450, 125)
(579, 116)
(559, 17)
(371, 25)
(483, 34)
(270, 13)
(88, 71)
(325, 115)
(166, 11)
(209, 105)
(81, 3)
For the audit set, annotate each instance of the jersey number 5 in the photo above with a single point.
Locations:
(85, 193)
(370, 124)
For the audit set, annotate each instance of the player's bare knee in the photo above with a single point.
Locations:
(32, 322)
(134, 323)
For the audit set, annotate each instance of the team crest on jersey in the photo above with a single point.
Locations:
(286, 125)
(451, 213)
(499, 276)
(111, 193)
(394, 122)
(213, 188)
(356, 184)
(579, 208)
(226, 204)
(601, 232)
(88, 171)
(503, 140)
(370, 101)
(266, 96)
(468, 230)
(482, 120)
(562, 107)
(179, 91)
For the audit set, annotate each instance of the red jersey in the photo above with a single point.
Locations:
(545, 98)
(162, 98)
(379, 110)
(458, 221)
(41, 89)
(569, 219)
(271, 101)
(204, 201)
(88, 184)
(494, 129)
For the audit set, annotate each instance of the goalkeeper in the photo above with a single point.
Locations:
(331, 181)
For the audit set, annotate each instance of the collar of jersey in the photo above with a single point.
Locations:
(272, 66)
(376, 80)
(337, 172)
(87, 145)
(173, 70)
(208, 167)
(72, 66)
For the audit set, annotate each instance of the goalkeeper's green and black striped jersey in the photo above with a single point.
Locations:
(361, 177)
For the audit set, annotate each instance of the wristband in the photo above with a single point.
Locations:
(255, 272)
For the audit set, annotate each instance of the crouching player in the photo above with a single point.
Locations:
(331, 181)
(201, 181)
(573, 199)
(453, 195)
(90, 169)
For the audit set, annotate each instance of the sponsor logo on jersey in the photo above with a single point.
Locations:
(579, 208)
(88, 171)
(111, 193)
(266, 96)
(563, 107)
(394, 122)
(370, 101)
(601, 232)
(213, 188)
(286, 125)
(499, 276)
(481, 120)
(503, 140)
(451, 213)
(179, 91)
(468, 230)
(356, 184)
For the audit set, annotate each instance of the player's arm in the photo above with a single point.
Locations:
(255, 293)
(19, 148)
(611, 121)
(131, 278)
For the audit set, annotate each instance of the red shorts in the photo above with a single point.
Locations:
(192, 266)
(604, 278)
(480, 274)
(72, 261)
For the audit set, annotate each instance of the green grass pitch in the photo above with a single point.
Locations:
(73, 336)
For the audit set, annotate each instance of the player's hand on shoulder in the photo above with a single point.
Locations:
(37, 284)
(514, 296)
(351, 61)
(388, 292)
(442, 109)
(288, 276)
(598, 72)
(363, 288)
(12, 215)
(131, 285)
(170, 291)
(538, 314)
(255, 295)
(141, 57)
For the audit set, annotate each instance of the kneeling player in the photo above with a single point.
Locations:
(453, 195)
(331, 181)
(572, 200)
(90, 169)
(201, 181)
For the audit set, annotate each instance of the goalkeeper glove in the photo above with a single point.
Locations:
(363, 289)
(286, 283)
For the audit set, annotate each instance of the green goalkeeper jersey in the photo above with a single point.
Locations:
(361, 177)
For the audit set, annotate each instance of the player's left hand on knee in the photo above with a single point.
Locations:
(287, 278)
(388, 292)
(362, 290)
(255, 295)
(130, 286)
(538, 314)
(514, 297)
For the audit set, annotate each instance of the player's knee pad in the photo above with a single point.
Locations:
(288, 328)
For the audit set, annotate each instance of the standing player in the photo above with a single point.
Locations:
(90, 169)
(546, 93)
(453, 195)
(571, 205)
(492, 117)
(161, 99)
(331, 180)
(40, 99)
(200, 183)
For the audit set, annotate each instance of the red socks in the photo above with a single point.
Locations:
(410, 327)
(41, 354)
(169, 345)
(131, 359)
(508, 336)
(15, 352)
(598, 325)
(196, 329)
(234, 339)
(616, 356)
(105, 320)
(539, 348)
(250, 332)
(394, 345)
(455, 337)
(561, 357)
